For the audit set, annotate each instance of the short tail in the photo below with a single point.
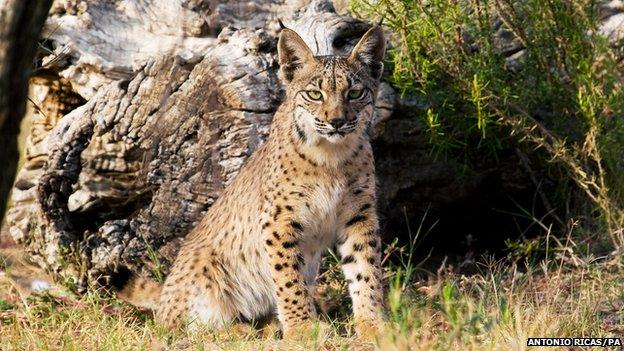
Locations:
(138, 291)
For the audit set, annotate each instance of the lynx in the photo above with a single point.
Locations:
(257, 250)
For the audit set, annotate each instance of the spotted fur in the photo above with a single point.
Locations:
(310, 186)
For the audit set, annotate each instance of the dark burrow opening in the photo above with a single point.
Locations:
(456, 211)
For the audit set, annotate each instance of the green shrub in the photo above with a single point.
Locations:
(554, 85)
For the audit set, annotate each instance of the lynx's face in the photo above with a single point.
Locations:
(333, 96)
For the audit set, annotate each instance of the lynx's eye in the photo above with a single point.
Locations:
(314, 94)
(355, 94)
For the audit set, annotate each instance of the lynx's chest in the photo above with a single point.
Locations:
(322, 213)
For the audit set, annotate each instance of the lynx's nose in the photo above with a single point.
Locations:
(337, 122)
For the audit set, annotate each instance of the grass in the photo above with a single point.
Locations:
(496, 309)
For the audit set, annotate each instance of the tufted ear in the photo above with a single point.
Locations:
(293, 53)
(370, 51)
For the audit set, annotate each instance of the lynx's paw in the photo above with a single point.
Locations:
(307, 331)
(369, 330)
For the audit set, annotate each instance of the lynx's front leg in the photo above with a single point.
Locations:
(360, 249)
(294, 303)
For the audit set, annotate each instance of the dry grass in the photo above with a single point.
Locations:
(494, 310)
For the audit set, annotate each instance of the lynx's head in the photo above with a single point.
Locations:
(333, 96)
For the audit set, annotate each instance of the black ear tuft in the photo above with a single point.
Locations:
(293, 53)
(281, 24)
(370, 51)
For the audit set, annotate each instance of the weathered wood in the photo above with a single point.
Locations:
(20, 25)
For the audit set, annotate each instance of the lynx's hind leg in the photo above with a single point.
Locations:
(191, 306)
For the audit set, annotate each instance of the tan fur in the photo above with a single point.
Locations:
(141, 292)
(310, 186)
(19, 272)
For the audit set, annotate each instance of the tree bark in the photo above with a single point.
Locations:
(20, 25)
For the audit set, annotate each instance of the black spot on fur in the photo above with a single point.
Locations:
(348, 259)
(356, 219)
(289, 244)
(299, 258)
(278, 211)
(300, 133)
(296, 226)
